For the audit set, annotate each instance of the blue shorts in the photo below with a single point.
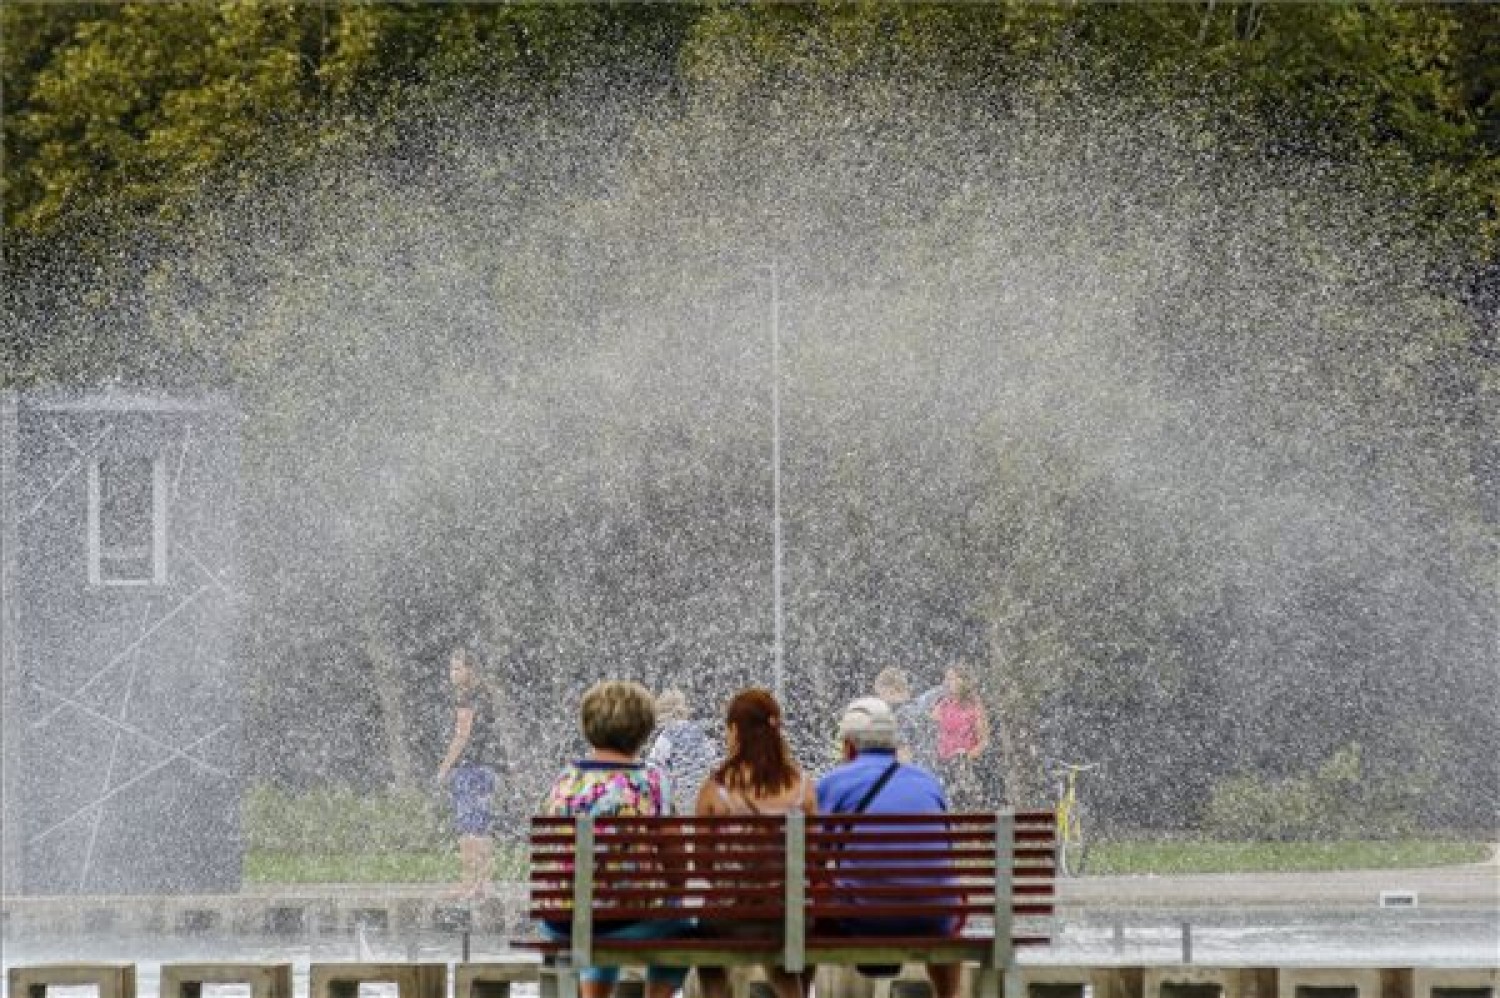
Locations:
(635, 930)
(473, 787)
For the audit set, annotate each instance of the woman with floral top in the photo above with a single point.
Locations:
(611, 781)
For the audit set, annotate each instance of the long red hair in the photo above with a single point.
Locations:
(761, 763)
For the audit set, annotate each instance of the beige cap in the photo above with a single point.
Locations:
(869, 723)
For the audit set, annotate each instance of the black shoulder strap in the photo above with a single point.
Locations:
(876, 787)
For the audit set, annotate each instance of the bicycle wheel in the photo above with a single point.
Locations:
(1073, 848)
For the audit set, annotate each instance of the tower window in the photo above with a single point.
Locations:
(127, 535)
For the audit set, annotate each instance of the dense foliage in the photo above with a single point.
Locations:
(1144, 354)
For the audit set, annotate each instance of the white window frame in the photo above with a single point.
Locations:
(158, 528)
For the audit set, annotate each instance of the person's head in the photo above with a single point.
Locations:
(891, 686)
(959, 681)
(758, 759)
(868, 725)
(463, 667)
(618, 715)
(671, 705)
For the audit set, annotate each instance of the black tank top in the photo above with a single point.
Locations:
(483, 748)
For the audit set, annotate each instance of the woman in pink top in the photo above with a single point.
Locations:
(963, 733)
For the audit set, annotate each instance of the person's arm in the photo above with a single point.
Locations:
(929, 700)
(463, 724)
(983, 724)
(661, 751)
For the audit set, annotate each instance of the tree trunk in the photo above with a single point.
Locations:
(1015, 734)
(386, 671)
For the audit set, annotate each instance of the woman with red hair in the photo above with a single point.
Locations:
(757, 777)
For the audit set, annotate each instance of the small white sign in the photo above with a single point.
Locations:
(1398, 899)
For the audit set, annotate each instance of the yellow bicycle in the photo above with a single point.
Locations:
(1072, 823)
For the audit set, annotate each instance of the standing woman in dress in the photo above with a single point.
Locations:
(963, 733)
(468, 768)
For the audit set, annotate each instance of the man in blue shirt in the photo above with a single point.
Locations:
(872, 781)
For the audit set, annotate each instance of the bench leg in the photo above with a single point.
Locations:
(987, 982)
(558, 980)
(1012, 982)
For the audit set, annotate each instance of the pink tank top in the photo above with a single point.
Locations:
(957, 728)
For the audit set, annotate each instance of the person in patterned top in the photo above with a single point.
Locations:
(683, 748)
(617, 718)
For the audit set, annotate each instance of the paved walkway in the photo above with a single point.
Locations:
(1474, 885)
(1472, 890)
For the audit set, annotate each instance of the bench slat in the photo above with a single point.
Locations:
(984, 818)
(917, 910)
(906, 949)
(973, 893)
(696, 945)
(658, 838)
(987, 818)
(857, 854)
(825, 946)
(773, 891)
(860, 833)
(896, 835)
(550, 825)
(668, 913)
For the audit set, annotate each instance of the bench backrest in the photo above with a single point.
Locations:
(800, 871)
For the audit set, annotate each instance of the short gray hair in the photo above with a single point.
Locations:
(869, 723)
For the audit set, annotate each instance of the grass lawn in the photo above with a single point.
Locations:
(1158, 857)
(1202, 856)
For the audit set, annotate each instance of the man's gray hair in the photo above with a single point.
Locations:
(869, 723)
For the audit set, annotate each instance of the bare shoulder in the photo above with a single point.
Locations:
(708, 801)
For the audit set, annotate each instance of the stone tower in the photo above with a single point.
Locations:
(120, 697)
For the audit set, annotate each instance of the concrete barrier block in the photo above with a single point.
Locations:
(412, 980)
(1456, 982)
(114, 980)
(842, 982)
(1324, 982)
(265, 980)
(1070, 982)
(910, 981)
(1210, 982)
(492, 980)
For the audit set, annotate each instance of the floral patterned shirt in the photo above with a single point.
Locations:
(607, 789)
(604, 789)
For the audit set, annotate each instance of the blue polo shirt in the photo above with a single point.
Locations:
(912, 790)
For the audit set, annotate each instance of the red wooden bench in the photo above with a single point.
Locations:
(796, 874)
